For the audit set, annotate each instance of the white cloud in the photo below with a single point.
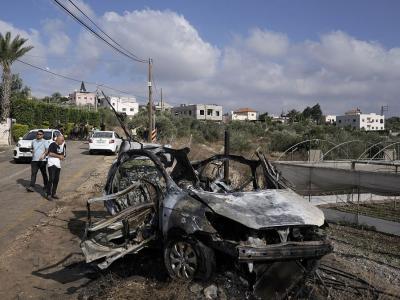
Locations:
(267, 42)
(58, 40)
(178, 51)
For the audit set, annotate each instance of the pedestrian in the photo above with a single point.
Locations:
(39, 151)
(55, 156)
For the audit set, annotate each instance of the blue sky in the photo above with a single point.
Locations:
(270, 55)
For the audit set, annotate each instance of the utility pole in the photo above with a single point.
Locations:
(162, 102)
(150, 105)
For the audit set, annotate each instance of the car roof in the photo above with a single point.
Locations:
(46, 129)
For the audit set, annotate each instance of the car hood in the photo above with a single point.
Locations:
(269, 208)
(25, 143)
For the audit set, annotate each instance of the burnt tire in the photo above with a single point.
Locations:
(188, 259)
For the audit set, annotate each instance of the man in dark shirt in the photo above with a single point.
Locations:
(56, 155)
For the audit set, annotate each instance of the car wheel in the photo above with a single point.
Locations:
(91, 152)
(188, 259)
(17, 160)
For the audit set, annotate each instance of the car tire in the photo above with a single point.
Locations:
(91, 152)
(187, 259)
(17, 160)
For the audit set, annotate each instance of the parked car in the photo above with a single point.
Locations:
(108, 141)
(194, 210)
(23, 149)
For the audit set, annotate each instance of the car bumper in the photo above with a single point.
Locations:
(105, 147)
(17, 154)
(285, 251)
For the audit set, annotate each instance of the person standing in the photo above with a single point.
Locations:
(39, 149)
(55, 156)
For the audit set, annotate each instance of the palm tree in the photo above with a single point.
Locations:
(10, 51)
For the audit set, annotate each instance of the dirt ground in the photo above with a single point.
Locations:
(46, 262)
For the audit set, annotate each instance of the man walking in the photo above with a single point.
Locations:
(55, 156)
(39, 149)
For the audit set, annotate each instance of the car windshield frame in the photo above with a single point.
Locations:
(31, 135)
(102, 135)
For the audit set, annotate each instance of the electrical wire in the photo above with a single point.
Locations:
(78, 80)
(99, 28)
(97, 34)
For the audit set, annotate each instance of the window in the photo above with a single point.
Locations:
(354, 120)
(79, 98)
(85, 98)
(381, 121)
(201, 112)
(373, 127)
(340, 121)
(209, 112)
(113, 104)
(217, 113)
(124, 109)
(190, 112)
(363, 120)
(132, 109)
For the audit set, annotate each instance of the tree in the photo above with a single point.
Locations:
(316, 113)
(294, 116)
(18, 90)
(10, 51)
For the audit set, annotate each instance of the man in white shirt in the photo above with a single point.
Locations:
(39, 149)
(55, 156)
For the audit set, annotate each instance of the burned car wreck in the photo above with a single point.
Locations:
(227, 204)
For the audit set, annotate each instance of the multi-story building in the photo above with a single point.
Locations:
(356, 119)
(330, 119)
(243, 114)
(210, 112)
(127, 105)
(83, 97)
(162, 106)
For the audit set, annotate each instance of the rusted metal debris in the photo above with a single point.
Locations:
(156, 196)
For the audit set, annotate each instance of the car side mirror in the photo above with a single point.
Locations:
(20, 138)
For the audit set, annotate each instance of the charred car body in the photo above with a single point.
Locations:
(197, 209)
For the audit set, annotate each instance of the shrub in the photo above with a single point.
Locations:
(19, 130)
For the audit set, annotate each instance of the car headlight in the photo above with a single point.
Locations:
(18, 145)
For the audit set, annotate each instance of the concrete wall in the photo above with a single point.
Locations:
(320, 180)
(380, 225)
(5, 132)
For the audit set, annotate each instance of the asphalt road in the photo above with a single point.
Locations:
(20, 209)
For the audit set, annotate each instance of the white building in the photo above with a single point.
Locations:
(280, 119)
(211, 112)
(330, 119)
(83, 97)
(243, 114)
(356, 119)
(163, 106)
(126, 105)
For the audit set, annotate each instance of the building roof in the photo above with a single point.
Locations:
(245, 110)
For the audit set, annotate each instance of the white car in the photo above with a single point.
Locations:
(23, 149)
(108, 141)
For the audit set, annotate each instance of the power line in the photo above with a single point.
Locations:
(91, 21)
(78, 80)
(98, 35)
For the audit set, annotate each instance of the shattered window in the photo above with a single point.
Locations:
(138, 170)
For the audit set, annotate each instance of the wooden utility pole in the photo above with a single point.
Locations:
(162, 102)
(151, 125)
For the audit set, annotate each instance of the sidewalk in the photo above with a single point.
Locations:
(6, 148)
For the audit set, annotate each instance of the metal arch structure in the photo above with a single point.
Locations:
(338, 146)
(384, 148)
(371, 147)
(303, 142)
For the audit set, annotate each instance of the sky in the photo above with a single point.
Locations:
(272, 56)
